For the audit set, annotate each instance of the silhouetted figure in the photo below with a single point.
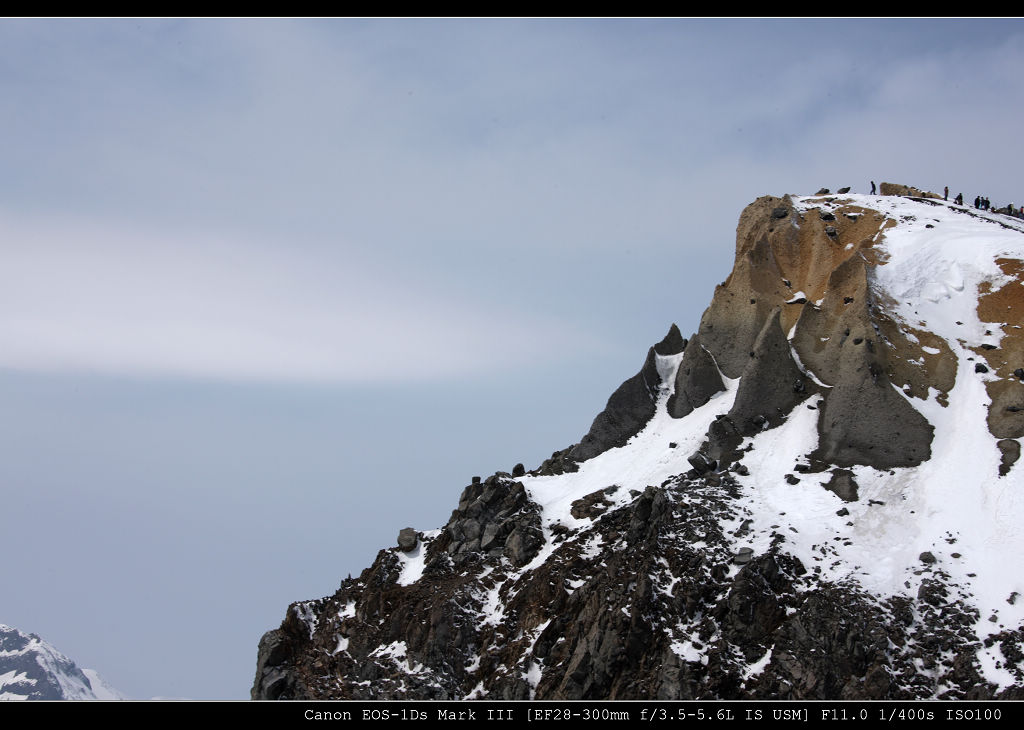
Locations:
(872, 187)
(945, 193)
(959, 199)
(977, 201)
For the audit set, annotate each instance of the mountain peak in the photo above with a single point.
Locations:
(32, 669)
(814, 496)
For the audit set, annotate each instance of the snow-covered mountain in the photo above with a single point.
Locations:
(814, 496)
(31, 669)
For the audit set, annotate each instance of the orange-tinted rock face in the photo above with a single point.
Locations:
(1003, 305)
(812, 266)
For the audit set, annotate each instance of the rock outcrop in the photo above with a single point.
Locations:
(797, 502)
(631, 406)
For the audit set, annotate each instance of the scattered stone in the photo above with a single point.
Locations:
(826, 216)
(830, 231)
(518, 470)
(792, 479)
(843, 191)
(926, 557)
(1012, 600)
(822, 191)
(980, 368)
(988, 347)
(672, 444)
(778, 213)
(843, 512)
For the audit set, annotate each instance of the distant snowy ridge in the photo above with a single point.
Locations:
(815, 496)
(31, 669)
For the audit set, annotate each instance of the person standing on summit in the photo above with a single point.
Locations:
(945, 193)
(872, 187)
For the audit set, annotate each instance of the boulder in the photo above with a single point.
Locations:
(408, 539)
(843, 485)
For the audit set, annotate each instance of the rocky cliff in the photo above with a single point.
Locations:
(813, 496)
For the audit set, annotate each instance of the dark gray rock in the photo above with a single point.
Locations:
(743, 556)
(560, 462)
(843, 485)
(780, 212)
(407, 539)
(701, 463)
(672, 343)
(980, 368)
(518, 470)
(523, 544)
(1010, 453)
(926, 557)
(822, 191)
(843, 191)
(697, 379)
(275, 679)
(864, 420)
(766, 393)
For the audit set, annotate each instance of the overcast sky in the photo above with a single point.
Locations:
(272, 290)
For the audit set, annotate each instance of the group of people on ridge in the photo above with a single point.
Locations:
(980, 203)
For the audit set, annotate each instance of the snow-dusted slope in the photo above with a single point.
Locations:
(31, 669)
(825, 502)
